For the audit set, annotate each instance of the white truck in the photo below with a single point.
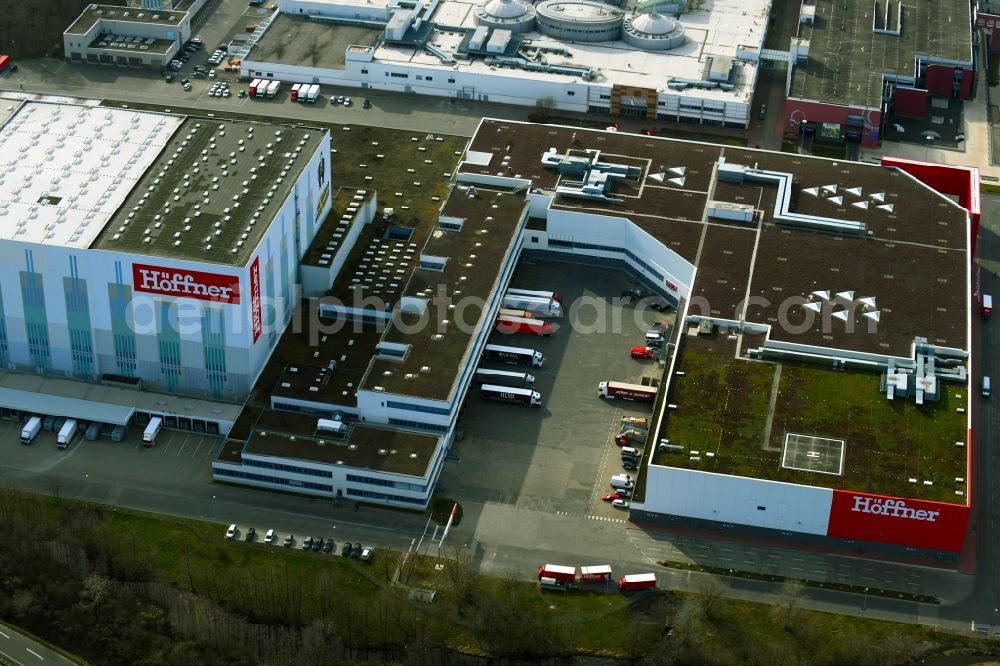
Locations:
(536, 305)
(31, 429)
(152, 430)
(272, 88)
(312, 94)
(261, 89)
(66, 433)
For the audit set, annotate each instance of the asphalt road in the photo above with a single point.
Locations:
(16, 649)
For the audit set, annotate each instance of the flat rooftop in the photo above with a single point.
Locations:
(133, 46)
(213, 191)
(291, 40)
(715, 29)
(65, 169)
(94, 13)
(474, 255)
(917, 245)
(330, 235)
(847, 58)
(366, 447)
(860, 440)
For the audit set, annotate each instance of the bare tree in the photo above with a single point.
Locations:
(710, 598)
(789, 597)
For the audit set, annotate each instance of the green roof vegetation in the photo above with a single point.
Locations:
(723, 405)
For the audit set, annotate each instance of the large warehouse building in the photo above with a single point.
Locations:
(820, 400)
(661, 60)
(152, 249)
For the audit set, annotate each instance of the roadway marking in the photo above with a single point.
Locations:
(4, 635)
(40, 657)
(11, 659)
(607, 520)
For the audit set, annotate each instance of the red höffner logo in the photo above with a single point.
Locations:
(185, 283)
(892, 508)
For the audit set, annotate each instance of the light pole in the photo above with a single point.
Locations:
(864, 601)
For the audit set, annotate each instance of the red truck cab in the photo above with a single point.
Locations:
(986, 307)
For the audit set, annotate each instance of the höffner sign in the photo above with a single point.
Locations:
(184, 283)
(892, 508)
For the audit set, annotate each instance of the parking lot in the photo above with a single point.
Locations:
(518, 464)
(318, 544)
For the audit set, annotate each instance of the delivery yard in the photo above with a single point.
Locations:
(522, 467)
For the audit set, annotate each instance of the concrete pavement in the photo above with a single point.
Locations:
(16, 649)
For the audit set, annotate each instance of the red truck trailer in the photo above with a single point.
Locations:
(595, 574)
(4, 62)
(623, 391)
(986, 309)
(634, 582)
(557, 572)
(508, 324)
(295, 91)
(252, 88)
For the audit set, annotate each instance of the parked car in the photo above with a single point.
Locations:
(330, 545)
(629, 465)
(307, 544)
(347, 101)
(641, 352)
(251, 533)
(634, 294)
(187, 87)
(356, 551)
(611, 497)
(317, 543)
(269, 537)
(288, 540)
(169, 78)
(763, 112)
(231, 532)
(367, 104)
(345, 550)
(366, 554)
(620, 504)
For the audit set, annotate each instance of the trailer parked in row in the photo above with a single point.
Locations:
(557, 572)
(595, 574)
(296, 89)
(506, 324)
(549, 295)
(540, 307)
(254, 87)
(623, 391)
(517, 355)
(513, 396)
(66, 433)
(151, 432)
(634, 582)
(504, 378)
(31, 429)
(272, 89)
(511, 312)
(311, 94)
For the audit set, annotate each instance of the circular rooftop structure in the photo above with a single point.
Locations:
(514, 15)
(653, 32)
(662, 6)
(579, 20)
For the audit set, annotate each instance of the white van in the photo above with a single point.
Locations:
(630, 452)
(986, 386)
(621, 481)
(269, 537)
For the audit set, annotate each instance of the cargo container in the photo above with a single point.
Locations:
(261, 89)
(152, 431)
(92, 432)
(312, 94)
(295, 91)
(986, 310)
(507, 324)
(505, 378)
(331, 425)
(623, 391)
(513, 396)
(4, 62)
(550, 295)
(557, 572)
(66, 433)
(254, 85)
(595, 574)
(511, 312)
(540, 307)
(636, 582)
(30, 429)
(517, 355)
(272, 88)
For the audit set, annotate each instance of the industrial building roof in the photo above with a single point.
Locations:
(94, 13)
(437, 340)
(847, 57)
(897, 264)
(66, 169)
(715, 29)
(213, 191)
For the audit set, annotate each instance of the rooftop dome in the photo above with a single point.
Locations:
(653, 32)
(505, 9)
(652, 24)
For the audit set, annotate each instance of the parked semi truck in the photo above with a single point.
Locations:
(986, 309)
(272, 88)
(595, 574)
(296, 89)
(31, 430)
(511, 312)
(261, 88)
(66, 433)
(252, 88)
(622, 391)
(634, 582)
(311, 94)
(540, 307)
(550, 295)
(4, 62)
(518, 355)
(513, 396)
(151, 432)
(557, 572)
(507, 324)
(505, 378)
